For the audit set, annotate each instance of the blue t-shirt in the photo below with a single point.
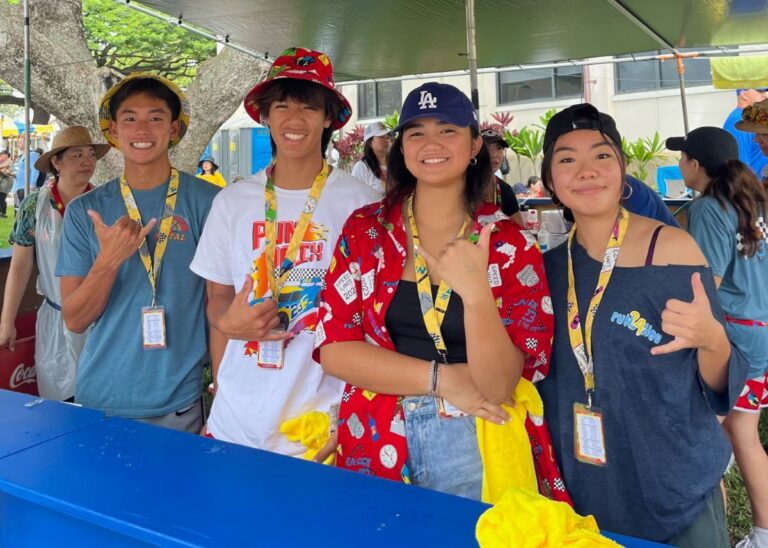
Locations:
(646, 202)
(665, 449)
(33, 173)
(749, 150)
(743, 291)
(115, 373)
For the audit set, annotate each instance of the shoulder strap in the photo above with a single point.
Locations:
(652, 245)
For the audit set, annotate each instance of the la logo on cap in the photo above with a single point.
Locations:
(427, 100)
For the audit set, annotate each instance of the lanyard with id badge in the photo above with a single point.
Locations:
(433, 313)
(271, 354)
(589, 434)
(153, 316)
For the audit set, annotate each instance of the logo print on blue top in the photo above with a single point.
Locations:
(427, 100)
(635, 322)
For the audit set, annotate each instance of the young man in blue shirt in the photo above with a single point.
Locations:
(124, 266)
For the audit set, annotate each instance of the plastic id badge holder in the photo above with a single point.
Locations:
(153, 327)
(588, 435)
(271, 354)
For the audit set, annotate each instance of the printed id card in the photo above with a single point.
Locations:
(153, 327)
(588, 437)
(448, 411)
(271, 354)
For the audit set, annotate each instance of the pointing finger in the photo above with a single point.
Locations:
(144, 231)
(484, 242)
(247, 289)
(96, 218)
(672, 346)
(431, 261)
(699, 292)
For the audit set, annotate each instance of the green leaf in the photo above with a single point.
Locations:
(128, 41)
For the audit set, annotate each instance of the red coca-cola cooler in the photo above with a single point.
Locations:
(17, 368)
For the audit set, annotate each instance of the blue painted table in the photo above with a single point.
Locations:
(87, 480)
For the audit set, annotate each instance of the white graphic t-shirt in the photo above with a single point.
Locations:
(251, 402)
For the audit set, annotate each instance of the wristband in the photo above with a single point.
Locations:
(433, 378)
(333, 415)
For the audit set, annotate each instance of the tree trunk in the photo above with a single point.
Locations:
(66, 82)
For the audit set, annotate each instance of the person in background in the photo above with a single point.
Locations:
(521, 189)
(35, 238)
(19, 186)
(6, 181)
(124, 266)
(641, 364)
(209, 171)
(535, 187)
(372, 167)
(728, 221)
(755, 120)
(749, 151)
(499, 192)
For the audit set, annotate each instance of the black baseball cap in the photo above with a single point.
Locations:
(711, 146)
(582, 116)
(492, 137)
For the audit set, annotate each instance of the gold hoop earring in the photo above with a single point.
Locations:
(631, 191)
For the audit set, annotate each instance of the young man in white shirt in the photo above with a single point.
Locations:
(264, 283)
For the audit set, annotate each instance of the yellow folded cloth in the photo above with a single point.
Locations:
(524, 519)
(505, 450)
(311, 430)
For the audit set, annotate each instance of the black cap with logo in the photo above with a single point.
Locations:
(583, 116)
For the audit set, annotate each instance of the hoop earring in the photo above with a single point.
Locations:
(473, 161)
(631, 191)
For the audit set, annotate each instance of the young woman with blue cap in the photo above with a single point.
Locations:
(434, 308)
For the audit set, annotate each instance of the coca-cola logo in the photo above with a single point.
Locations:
(23, 374)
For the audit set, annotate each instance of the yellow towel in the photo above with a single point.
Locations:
(506, 450)
(524, 519)
(311, 430)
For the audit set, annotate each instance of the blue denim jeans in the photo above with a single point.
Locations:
(442, 452)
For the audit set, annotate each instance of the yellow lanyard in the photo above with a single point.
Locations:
(152, 266)
(277, 275)
(582, 343)
(433, 313)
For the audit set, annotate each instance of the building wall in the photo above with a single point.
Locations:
(637, 114)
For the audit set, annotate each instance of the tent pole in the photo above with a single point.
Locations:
(472, 53)
(27, 88)
(681, 81)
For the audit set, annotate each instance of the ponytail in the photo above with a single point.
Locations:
(735, 183)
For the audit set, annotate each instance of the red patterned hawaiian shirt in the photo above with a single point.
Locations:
(360, 284)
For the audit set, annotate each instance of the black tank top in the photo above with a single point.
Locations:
(406, 326)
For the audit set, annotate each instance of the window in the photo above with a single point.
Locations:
(378, 99)
(654, 74)
(516, 86)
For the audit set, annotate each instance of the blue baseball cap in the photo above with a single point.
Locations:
(442, 101)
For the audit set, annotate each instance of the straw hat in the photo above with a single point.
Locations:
(105, 116)
(73, 136)
(754, 118)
